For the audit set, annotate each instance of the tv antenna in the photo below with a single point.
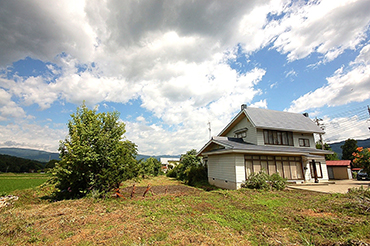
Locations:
(209, 129)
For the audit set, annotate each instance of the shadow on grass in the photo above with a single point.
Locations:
(204, 185)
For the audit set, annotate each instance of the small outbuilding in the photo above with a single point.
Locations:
(169, 163)
(340, 169)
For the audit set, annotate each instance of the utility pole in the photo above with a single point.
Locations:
(368, 109)
(209, 129)
(317, 121)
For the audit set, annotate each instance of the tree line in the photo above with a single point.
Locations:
(19, 165)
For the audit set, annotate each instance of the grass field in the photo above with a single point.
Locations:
(179, 215)
(10, 182)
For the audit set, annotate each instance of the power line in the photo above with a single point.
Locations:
(345, 121)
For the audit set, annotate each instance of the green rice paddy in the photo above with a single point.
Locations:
(10, 182)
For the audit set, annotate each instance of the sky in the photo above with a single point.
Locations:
(174, 68)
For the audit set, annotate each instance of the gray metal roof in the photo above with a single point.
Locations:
(271, 119)
(238, 145)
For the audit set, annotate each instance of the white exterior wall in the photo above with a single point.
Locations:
(325, 175)
(251, 133)
(239, 169)
(349, 173)
(226, 171)
(260, 139)
(310, 137)
(307, 172)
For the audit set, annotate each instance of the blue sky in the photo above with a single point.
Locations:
(170, 67)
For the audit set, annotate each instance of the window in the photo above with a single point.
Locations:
(287, 167)
(241, 133)
(303, 142)
(278, 137)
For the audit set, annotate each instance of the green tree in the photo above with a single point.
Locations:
(190, 169)
(362, 158)
(152, 166)
(93, 156)
(349, 147)
(330, 157)
(51, 164)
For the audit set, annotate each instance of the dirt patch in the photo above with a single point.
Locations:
(158, 190)
(320, 214)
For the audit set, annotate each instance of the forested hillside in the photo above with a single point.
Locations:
(32, 154)
(18, 165)
(43, 156)
(360, 143)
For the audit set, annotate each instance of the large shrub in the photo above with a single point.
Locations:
(150, 167)
(190, 169)
(94, 156)
(262, 180)
(362, 158)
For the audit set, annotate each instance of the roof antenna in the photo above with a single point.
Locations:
(209, 129)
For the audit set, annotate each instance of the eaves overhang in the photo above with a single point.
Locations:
(268, 151)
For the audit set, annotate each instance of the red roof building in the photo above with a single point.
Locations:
(339, 163)
(340, 169)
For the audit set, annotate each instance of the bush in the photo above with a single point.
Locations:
(196, 175)
(263, 181)
(190, 169)
(172, 173)
(359, 200)
(277, 182)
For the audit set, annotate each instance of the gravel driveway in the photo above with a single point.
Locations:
(339, 186)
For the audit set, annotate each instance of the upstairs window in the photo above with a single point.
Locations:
(303, 142)
(278, 137)
(241, 133)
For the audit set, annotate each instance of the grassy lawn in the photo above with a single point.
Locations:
(179, 215)
(10, 182)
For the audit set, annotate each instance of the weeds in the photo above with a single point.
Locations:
(262, 180)
(187, 217)
(359, 200)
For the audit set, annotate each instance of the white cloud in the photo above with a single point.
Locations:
(291, 73)
(8, 108)
(25, 135)
(327, 27)
(339, 129)
(43, 30)
(260, 104)
(173, 56)
(344, 86)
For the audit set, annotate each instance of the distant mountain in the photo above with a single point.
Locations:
(32, 154)
(158, 157)
(360, 143)
(44, 156)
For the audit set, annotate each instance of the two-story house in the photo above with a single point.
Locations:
(261, 139)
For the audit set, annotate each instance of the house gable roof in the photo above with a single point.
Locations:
(274, 120)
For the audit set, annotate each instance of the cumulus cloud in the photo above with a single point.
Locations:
(325, 27)
(346, 85)
(42, 30)
(34, 136)
(173, 57)
(337, 129)
(8, 108)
